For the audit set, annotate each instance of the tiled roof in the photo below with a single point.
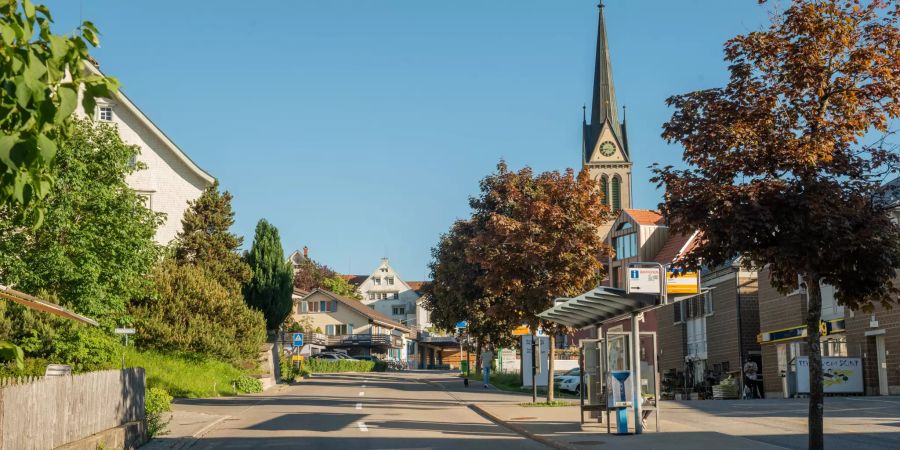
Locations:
(646, 216)
(362, 309)
(677, 245)
(355, 280)
(417, 285)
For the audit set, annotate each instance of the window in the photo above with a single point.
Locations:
(604, 188)
(726, 366)
(615, 277)
(377, 281)
(302, 307)
(390, 281)
(395, 295)
(340, 329)
(312, 307)
(329, 330)
(616, 193)
(626, 246)
(696, 338)
(384, 269)
(399, 310)
(106, 113)
(147, 199)
(679, 312)
(371, 296)
(708, 303)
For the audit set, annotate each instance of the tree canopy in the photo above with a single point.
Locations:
(270, 288)
(785, 162)
(43, 74)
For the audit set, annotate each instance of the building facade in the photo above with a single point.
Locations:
(387, 293)
(636, 235)
(348, 325)
(171, 179)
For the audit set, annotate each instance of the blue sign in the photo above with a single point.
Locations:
(635, 274)
(462, 324)
(298, 339)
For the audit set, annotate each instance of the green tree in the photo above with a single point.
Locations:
(340, 286)
(189, 310)
(97, 240)
(271, 285)
(785, 161)
(43, 75)
(207, 242)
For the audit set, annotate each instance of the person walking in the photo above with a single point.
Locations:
(487, 356)
(751, 388)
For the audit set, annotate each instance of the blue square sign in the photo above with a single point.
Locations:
(298, 339)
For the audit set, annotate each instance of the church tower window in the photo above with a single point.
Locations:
(616, 193)
(604, 188)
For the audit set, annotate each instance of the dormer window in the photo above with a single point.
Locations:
(106, 113)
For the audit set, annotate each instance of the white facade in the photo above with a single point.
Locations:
(170, 179)
(385, 291)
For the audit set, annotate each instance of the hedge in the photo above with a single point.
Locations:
(317, 365)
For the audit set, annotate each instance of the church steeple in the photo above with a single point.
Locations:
(603, 104)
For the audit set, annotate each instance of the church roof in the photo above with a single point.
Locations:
(603, 104)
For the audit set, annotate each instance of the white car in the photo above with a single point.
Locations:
(569, 381)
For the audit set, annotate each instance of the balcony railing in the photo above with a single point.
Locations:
(365, 340)
(287, 338)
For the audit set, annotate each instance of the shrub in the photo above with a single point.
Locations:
(247, 384)
(380, 366)
(316, 365)
(190, 311)
(157, 402)
(288, 372)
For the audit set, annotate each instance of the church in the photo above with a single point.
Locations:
(605, 152)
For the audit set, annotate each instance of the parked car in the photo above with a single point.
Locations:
(569, 381)
(326, 356)
(367, 358)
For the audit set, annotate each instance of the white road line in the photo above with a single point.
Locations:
(362, 426)
(359, 406)
(363, 386)
(361, 393)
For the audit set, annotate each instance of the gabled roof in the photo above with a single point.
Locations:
(646, 217)
(122, 99)
(676, 247)
(360, 308)
(417, 285)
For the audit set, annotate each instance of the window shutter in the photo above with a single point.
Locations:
(329, 330)
(334, 306)
(349, 328)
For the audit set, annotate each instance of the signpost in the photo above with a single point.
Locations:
(682, 282)
(298, 340)
(125, 332)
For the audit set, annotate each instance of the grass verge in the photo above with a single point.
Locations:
(185, 375)
(511, 382)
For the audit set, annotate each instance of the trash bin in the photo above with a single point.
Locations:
(464, 367)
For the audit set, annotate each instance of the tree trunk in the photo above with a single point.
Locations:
(551, 355)
(816, 390)
(478, 357)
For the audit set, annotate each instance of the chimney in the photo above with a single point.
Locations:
(306, 252)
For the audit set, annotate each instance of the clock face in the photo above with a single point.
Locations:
(607, 148)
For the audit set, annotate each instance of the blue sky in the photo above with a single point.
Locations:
(361, 127)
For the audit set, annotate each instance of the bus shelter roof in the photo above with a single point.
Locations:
(597, 306)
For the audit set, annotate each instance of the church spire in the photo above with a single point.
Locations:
(603, 107)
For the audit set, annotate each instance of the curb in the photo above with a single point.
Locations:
(518, 429)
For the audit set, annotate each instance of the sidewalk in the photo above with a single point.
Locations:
(184, 428)
(560, 427)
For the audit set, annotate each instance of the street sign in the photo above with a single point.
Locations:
(124, 331)
(521, 331)
(462, 324)
(682, 282)
(644, 280)
(298, 339)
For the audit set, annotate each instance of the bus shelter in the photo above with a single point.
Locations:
(612, 365)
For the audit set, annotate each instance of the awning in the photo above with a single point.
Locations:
(42, 305)
(597, 306)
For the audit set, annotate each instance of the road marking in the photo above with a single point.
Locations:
(359, 406)
(361, 393)
(362, 426)
(363, 386)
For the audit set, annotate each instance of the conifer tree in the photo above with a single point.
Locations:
(271, 285)
(205, 239)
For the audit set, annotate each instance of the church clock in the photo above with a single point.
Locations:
(607, 148)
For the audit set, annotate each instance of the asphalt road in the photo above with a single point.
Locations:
(353, 411)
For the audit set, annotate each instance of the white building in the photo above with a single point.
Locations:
(385, 291)
(170, 179)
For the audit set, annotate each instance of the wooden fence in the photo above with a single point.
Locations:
(12, 381)
(54, 411)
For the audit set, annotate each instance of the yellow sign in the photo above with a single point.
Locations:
(297, 358)
(521, 331)
(683, 283)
